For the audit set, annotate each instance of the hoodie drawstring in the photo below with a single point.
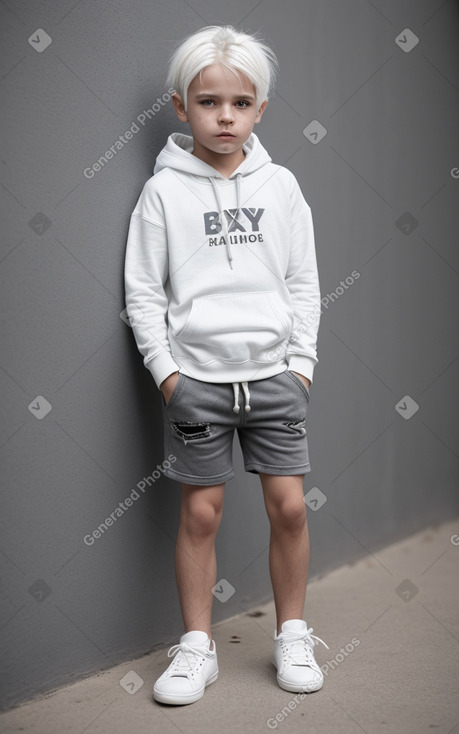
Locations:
(224, 224)
(221, 214)
(245, 389)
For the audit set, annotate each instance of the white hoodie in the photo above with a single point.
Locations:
(221, 274)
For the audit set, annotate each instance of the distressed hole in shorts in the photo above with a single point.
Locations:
(297, 426)
(190, 431)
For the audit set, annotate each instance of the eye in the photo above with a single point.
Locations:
(206, 102)
(243, 102)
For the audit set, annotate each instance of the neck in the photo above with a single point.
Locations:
(225, 164)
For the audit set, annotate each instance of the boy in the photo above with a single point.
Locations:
(223, 294)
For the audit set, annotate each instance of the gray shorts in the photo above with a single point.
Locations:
(200, 419)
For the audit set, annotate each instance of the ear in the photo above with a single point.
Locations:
(261, 110)
(179, 107)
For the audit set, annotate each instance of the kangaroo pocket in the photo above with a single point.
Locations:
(234, 327)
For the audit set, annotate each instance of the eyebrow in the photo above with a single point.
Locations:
(203, 95)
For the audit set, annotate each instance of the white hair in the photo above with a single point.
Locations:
(239, 52)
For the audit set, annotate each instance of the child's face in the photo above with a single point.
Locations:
(218, 101)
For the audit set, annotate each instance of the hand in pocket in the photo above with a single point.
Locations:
(168, 385)
(303, 379)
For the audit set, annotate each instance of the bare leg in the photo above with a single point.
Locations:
(289, 544)
(195, 559)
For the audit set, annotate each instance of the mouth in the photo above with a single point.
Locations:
(226, 135)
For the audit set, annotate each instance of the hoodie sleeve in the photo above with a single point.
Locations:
(302, 281)
(145, 276)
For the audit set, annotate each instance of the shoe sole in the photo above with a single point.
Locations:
(296, 687)
(292, 688)
(180, 699)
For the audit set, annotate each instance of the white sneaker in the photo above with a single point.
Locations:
(194, 667)
(293, 657)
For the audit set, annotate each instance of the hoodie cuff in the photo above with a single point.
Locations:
(161, 367)
(303, 365)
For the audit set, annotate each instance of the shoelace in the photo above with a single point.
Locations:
(186, 658)
(300, 645)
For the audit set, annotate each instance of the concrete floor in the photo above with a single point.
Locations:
(393, 614)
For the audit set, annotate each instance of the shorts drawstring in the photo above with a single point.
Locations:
(245, 389)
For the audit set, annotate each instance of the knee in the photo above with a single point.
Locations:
(202, 518)
(289, 514)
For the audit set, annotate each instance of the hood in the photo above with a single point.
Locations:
(177, 155)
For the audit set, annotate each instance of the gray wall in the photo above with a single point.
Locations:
(382, 184)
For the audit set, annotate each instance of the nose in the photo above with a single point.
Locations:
(226, 113)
